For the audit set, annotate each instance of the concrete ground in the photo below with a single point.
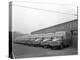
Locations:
(24, 51)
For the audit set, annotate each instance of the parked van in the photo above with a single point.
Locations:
(37, 41)
(44, 43)
(61, 39)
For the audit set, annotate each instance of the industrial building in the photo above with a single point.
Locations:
(70, 26)
(67, 26)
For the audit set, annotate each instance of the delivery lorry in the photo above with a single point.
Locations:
(37, 42)
(44, 43)
(61, 39)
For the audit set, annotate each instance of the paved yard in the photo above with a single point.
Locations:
(24, 51)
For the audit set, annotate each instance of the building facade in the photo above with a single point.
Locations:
(67, 26)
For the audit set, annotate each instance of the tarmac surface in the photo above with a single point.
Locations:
(24, 51)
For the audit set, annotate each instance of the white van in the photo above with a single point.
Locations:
(61, 39)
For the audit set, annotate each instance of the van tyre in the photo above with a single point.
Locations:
(62, 46)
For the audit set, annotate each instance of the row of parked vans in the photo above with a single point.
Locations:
(55, 40)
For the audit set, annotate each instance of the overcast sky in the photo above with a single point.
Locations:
(32, 15)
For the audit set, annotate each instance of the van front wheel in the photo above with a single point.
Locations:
(62, 46)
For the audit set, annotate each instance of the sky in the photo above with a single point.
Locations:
(33, 15)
